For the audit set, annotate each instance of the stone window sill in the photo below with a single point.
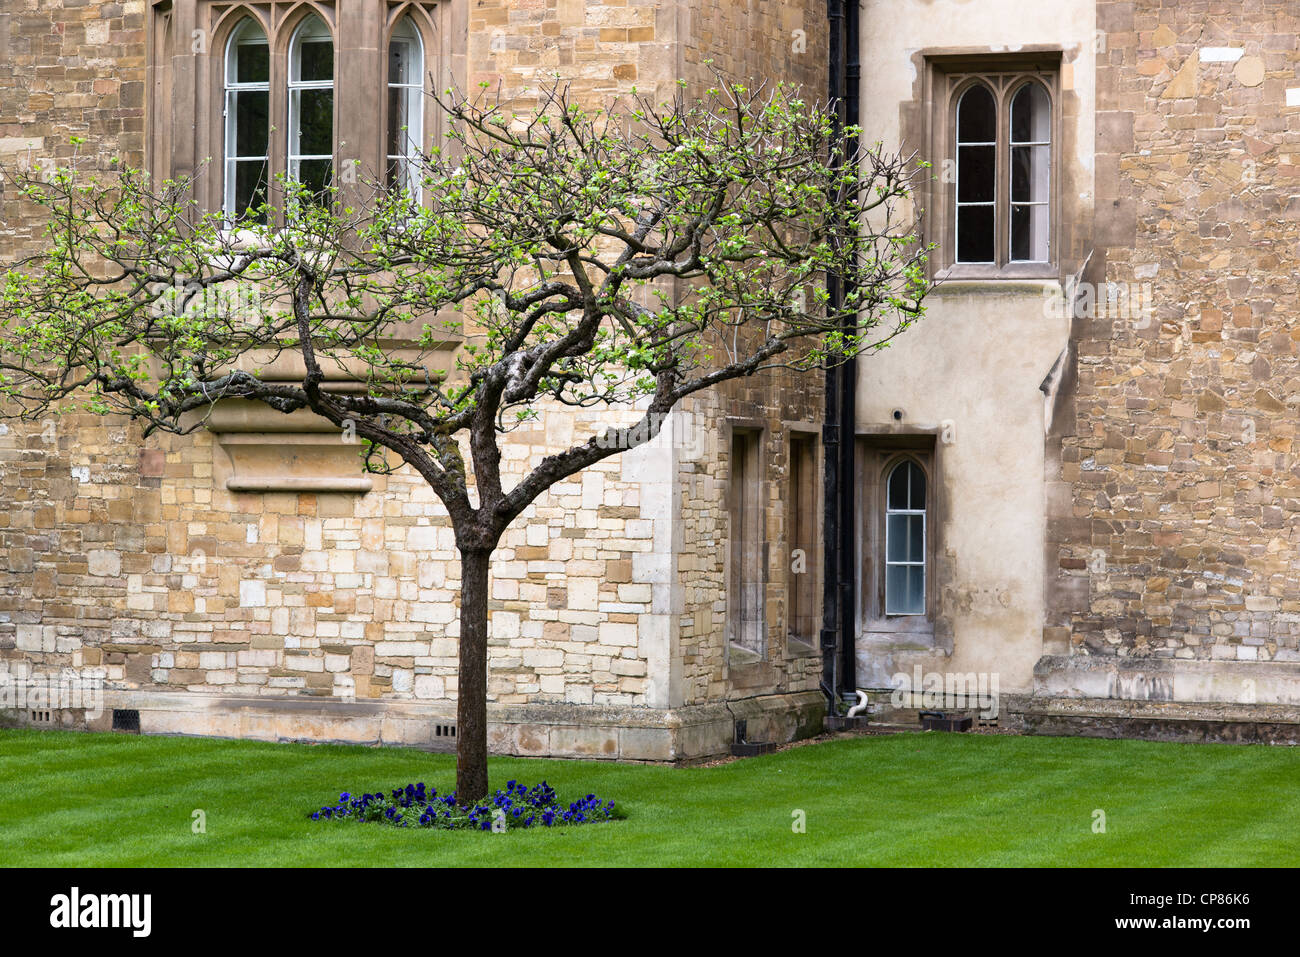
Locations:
(799, 648)
(738, 656)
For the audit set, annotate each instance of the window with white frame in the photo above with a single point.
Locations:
(405, 108)
(900, 533)
(1003, 173)
(976, 170)
(311, 106)
(995, 130)
(905, 547)
(268, 106)
(247, 123)
(1031, 178)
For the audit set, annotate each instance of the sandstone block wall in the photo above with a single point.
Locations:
(1180, 538)
(772, 42)
(67, 70)
(131, 557)
(133, 560)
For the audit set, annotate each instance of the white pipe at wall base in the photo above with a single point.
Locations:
(860, 707)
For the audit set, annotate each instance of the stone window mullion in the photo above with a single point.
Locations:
(279, 124)
(1002, 206)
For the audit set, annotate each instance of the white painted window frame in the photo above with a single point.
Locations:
(294, 158)
(413, 90)
(231, 89)
(925, 531)
(1012, 145)
(959, 205)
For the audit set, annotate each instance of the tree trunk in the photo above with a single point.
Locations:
(471, 695)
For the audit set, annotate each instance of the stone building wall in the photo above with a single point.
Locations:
(599, 48)
(1181, 465)
(710, 670)
(755, 42)
(67, 70)
(608, 49)
(134, 559)
(197, 602)
(1175, 594)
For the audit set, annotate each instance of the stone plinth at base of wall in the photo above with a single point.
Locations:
(1168, 679)
(680, 735)
(1160, 721)
(1162, 699)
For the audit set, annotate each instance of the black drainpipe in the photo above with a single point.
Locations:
(838, 430)
(849, 406)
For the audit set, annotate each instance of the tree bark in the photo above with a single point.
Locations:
(471, 695)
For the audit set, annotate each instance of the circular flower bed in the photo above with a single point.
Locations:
(517, 806)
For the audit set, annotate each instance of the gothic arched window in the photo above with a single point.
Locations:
(977, 163)
(405, 132)
(311, 106)
(247, 129)
(905, 550)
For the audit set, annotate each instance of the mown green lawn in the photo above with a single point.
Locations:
(72, 799)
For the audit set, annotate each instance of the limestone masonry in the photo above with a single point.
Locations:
(1105, 434)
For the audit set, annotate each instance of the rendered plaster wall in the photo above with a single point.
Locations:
(970, 372)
